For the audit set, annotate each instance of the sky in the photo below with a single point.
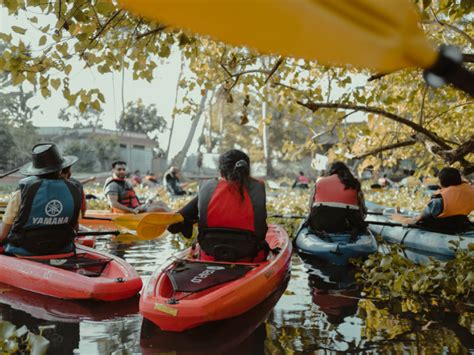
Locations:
(161, 92)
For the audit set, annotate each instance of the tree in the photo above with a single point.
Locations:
(107, 39)
(141, 119)
(88, 118)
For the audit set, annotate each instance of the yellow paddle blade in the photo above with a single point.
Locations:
(128, 220)
(383, 35)
(153, 225)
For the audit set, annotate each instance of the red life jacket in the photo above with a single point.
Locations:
(330, 191)
(457, 200)
(303, 179)
(128, 197)
(221, 206)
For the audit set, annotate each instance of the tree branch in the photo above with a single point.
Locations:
(151, 32)
(387, 147)
(105, 25)
(453, 28)
(313, 106)
(274, 69)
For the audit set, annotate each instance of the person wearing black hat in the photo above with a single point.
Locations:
(42, 215)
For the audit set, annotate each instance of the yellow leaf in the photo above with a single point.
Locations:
(42, 40)
(55, 83)
(19, 30)
(67, 69)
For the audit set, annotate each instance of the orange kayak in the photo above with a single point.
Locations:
(90, 274)
(212, 291)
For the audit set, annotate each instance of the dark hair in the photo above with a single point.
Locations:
(51, 175)
(345, 175)
(301, 173)
(449, 177)
(234, 166)
(118, 162)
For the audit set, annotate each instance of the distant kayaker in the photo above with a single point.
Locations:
(231, 213)
(410, 180)
(121, 195)
(301, 182)
(149, 180)
(172, 182)
(337, 204)
(449, 207)
(41, 216)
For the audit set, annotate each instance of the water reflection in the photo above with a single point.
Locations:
(320, 311)
(240, 335)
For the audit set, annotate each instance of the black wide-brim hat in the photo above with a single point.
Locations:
(46, 159)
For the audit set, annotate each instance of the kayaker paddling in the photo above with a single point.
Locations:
(172, 182)
(231, 213)
(337, 204)
(449, 208)
(41, 216)
(121, 195)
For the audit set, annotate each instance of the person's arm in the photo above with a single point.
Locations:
(85, 181)
(362, 206)
(190, 214)
(311, 197)
(432, 210)
(11, 211)
(113, 203)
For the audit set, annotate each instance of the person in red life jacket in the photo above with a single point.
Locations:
(231, 213)
(337, 204)
(121, 195)
(449, 208)
(41, 216)
(301, 182)
(136, 178)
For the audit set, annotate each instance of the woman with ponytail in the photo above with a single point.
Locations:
(230, 212)
(337, 204)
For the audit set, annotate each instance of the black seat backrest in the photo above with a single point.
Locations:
(226, 244)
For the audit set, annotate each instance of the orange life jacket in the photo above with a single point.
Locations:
(457, 200)
(330, 191)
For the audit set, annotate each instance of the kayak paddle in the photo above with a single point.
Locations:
(153, 225)
(303, 217)
(380, 35)
(9, 173)
(86, 233)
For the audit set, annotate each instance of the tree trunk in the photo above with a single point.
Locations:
(178, 160)
(167, 153)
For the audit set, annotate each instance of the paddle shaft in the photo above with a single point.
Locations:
(9, 173)
(86, 233)
(97, 218)
(303, 217)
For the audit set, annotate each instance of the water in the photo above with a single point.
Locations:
(320, 311)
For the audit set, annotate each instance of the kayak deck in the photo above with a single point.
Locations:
(335, 248)
(110, 281)
(420, 239)
(174, 310)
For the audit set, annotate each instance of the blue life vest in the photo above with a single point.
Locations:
(48, 213)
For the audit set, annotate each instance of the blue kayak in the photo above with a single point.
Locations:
(334, 248)
(428, 241)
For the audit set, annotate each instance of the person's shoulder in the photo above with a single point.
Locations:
(257, 181)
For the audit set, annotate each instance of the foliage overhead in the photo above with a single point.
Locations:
(406, 119)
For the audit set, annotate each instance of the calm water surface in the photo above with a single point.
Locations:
(319, 312)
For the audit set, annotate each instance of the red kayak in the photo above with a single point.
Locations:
(89, 274)
(189, 292)
(65, 311)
